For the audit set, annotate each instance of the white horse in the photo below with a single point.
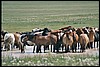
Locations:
(36, 30)
(9, 40)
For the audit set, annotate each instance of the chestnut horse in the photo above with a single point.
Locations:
(40, 40)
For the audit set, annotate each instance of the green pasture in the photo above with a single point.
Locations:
(52, 60)
(25, 15)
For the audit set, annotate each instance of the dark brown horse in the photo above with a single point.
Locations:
(96, 35)
(57, 33)
(75, 39)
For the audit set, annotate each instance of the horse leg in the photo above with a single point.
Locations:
(40, 48)
(54, 48)
(33, 48)
(83, 48)
(37, 49)
(67, 50)
(22, 48)
(94, 44)
(62, 47)
(51, 47)
(57, 49)
(44, 48)
(78, 45)
(47, 47)
(19, 47)
(12, 46)
(88, 46)
(73, 46)
(97, 44)
(91, 44)
(8, 47)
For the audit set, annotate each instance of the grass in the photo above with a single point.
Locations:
(52, 60)
(24, 16)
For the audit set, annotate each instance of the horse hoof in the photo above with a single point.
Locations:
(44, 52)
(40, 52)
(22, 51)
(72, 51)
(54, 51)
(67, 51)
(57, 51)
(37, 51)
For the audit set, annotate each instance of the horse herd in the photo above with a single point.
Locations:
(67, 37)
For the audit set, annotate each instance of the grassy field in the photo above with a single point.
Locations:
(52, 60)
(26, 15)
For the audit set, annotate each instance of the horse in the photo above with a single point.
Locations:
(36, 30)
(57, 34)
(96, 37)
(90, 32)
(75, 39)
(3, 32)
(67, 40)
(40, 40)
(83, 39)
(91, 36)
(17, 41)
(65, 28)
(9, 41)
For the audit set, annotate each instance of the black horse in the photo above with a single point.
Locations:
(96, 38)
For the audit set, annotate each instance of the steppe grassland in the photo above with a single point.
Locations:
(26, 15)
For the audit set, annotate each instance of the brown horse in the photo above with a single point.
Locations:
(67, 40)
(57, 33)
(78, 32)
(64, 28)
(17, 41)
(90, 32)
(91, 36)
(40, 40)
(83, 39)
(75, 39)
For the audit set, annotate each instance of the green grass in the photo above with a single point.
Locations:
(24, 16)
(52, 60)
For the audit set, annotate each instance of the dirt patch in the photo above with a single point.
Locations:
(17, 53)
